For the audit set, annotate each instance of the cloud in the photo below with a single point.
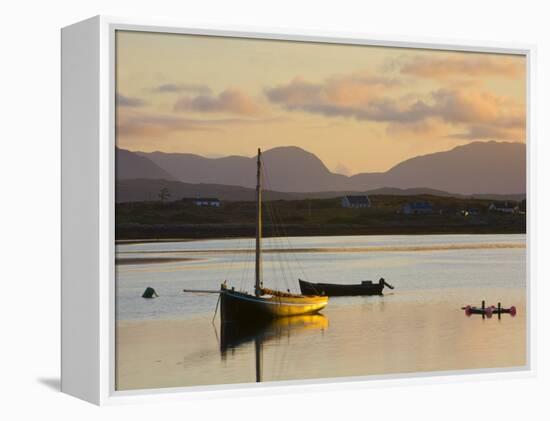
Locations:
(472, 111)
(352, 97)
(134, 123)
(477, 108)
(182, 87)
(478, 114)
(468, 115)
(490, 132)
(337, 95)
(230, 101)
(465, 66)
(297, 94)
(126, 101)
(429, 127)
(152, 124)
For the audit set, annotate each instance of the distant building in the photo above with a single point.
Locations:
(206, 201)
(356, 201)
(504, 207)
(416, 208)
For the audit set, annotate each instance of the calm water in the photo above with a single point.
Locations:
(170, 341)
(413, 264)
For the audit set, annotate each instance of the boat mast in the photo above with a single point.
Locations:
(258, 284)
(258, 349)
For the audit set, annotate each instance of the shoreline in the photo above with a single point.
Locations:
(128, 234)
(124, 241)
(387, 249)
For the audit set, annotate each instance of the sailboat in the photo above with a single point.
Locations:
(265, 303)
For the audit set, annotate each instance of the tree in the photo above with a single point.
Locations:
(164, 194)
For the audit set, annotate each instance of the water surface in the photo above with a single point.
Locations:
(170, 341)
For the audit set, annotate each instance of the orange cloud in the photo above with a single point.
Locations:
(230, 101)
(491, 132)
(143, 124)
(126, 101)
(430, 127)
(467, 65)
(467, 108)
(473, 106)
(356, 88)
(331, 97)
(464, 114)
(181, 87)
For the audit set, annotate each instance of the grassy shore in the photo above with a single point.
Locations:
(180, 219)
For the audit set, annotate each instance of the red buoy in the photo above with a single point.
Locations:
(489, 312)
(512, 311)
(468, 311)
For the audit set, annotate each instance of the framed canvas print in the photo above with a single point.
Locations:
(245, 209)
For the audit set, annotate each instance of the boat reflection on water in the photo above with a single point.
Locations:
(235, 335)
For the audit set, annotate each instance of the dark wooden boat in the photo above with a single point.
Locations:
(338, 290)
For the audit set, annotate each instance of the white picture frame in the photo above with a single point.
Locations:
(88, 240)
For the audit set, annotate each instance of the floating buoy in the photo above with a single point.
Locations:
(489, 311)
(149, 293)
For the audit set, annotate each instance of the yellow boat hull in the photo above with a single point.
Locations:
(239, 306)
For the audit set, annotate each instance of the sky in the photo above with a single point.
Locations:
(358, 108)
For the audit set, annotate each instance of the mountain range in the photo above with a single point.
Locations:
(478, 168)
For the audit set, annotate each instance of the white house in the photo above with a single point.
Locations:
(504, 207)
(207, 201)
(356, 201)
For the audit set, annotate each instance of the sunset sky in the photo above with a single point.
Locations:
(358, 108)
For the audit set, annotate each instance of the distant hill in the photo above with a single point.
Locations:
(146, 190)
(288, 169)
(478, 168)
(130, 165)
